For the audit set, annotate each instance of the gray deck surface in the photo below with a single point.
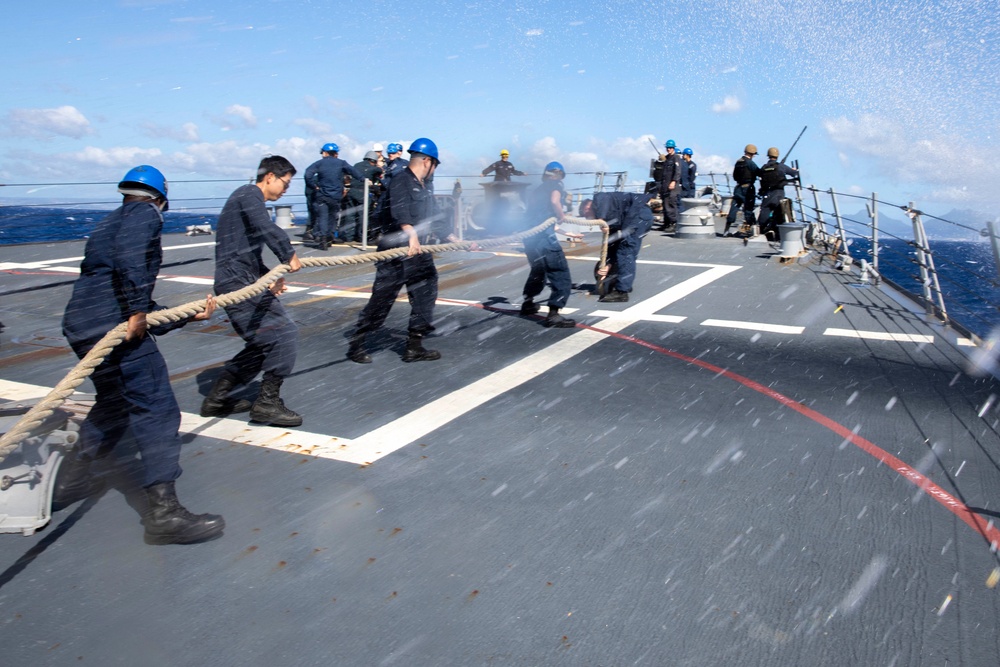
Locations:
(650, 499)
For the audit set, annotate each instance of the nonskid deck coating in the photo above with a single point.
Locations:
(624, 506)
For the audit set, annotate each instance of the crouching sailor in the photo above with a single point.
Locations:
(629, 218)
(117, 276)
(270, 336)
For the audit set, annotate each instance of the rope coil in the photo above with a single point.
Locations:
(64, 389)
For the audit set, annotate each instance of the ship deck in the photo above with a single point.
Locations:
(752, 462)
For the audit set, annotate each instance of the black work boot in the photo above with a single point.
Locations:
(415, 350)
(356, 350)
(218, 403)
(557, 321)
(74, 482)
(614, 296)
(529, 307)
(169, 522)
(269, 408)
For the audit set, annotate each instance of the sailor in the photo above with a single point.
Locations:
(353, 218)
(745, 172)
(329, 184)
(670, 180)
(629, 218)
(311, 191)
(773, 176)
(547, 263)
(117, 276)
(270, 337)
(689, 173)
(408, 206)
(503, 168)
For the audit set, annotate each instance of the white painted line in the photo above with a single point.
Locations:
(190, 279)
(411, 427)
(187, 245)
(754, 326)
(965, 342)
(61, 269)
(614, 314)
(880, 335)
(679, 291)
(347, 294)
(231, 430)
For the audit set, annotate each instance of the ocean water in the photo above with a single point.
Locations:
(967, 272)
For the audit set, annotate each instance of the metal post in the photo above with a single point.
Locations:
(873, 213)
(993, 226)
(819, 212)
(364, 218)
(930, 274)
(840, 222)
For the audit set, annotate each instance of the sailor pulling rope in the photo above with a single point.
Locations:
(65, 388)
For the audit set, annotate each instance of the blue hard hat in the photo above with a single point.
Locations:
(688, 151)
(330, 148)
(394, 148)
(146, 178)
(671, 143)
(553, 167)
(425, 146)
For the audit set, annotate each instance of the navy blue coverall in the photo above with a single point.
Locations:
(117, 276)
(270, 335)
(311, 192)
(629, 217)
(546, 260)
(773, 176)
(689, 175)
(329, 182)
(407, 201)
(503, 170)
(672, 172)
(744, 194)
(353, 218)
(382, 217)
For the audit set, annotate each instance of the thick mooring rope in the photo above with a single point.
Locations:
(64, 389)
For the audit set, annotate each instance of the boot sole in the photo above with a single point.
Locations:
(161, 540)
(275, 422)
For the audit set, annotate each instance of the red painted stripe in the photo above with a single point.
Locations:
(915, 477)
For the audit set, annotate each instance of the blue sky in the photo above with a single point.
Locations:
(903, 99)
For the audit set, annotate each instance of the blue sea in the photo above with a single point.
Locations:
(968, 275)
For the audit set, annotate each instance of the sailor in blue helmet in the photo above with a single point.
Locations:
(310, 180)
(689, 173)
(270, 337)
(408, 206)
(670, 181)
(117, 277)
(547, 263)
(745, 173)
(629, 218)
(381, 219)
(328, 183)
(773, 176)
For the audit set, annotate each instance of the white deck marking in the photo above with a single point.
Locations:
(615, 314)
(880, 335)
(61, 269)
(193, 280)
(293, 441)
(965, 342)
(754, 326)
(46, 264)
(432, 416)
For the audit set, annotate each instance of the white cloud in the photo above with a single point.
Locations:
(122, 157)
(952, 168)
(66, 121)
(534, 32)
(731, 104)
(315, 128)
(244, 113)
(187, 133)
